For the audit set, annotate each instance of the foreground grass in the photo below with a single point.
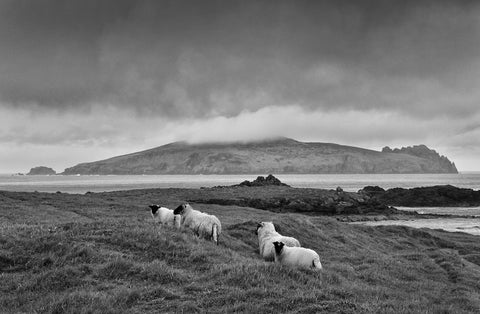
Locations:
(100, 253)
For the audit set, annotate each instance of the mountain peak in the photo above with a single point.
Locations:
(269, 140)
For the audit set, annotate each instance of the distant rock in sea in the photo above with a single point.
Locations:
(41, 170)
(280, 156)
(262, 181)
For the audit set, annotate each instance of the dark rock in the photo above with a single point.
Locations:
(261, 181)
(439, 195)
(41, 170)
(371, 191)
(307, 201)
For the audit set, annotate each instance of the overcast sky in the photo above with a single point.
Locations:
(87, 80)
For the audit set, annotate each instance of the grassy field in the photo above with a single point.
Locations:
(101, 253)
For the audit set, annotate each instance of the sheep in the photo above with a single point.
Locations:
(267, 235)
(165, 216)
(296, 256)
(203, 225)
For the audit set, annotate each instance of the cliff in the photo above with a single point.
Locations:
(281, 155)
(424, 152)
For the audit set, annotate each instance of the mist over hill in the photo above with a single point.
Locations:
(282, 155)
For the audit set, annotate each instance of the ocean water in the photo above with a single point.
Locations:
(462, 211)
(349, 182)
(467, 225)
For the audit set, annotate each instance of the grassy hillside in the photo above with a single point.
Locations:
(275, 156)
(101, 253)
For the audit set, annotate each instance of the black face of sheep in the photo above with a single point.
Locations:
(278, 246)
(154, 208)
(179, 210)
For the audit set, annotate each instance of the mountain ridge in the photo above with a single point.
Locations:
(279, 155)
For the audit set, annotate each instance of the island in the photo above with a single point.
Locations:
(41, 170)
(280, 156)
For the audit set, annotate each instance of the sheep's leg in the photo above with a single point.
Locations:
(215, 234)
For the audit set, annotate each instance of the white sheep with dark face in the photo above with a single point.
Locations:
(267, 235)
(165, 216)
(296, 256)
(204, 225)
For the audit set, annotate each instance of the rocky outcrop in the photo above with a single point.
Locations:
(437, 161)
(262, 181)
(279, 156)
(371, 201)
(281, 198)
(440, 195)
(41, 170)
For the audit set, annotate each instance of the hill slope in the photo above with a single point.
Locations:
(274, 156)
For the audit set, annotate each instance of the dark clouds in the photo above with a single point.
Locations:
(213, 58)
(86, 80)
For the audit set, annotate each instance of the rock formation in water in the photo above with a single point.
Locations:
(41, 170)
(262, 181)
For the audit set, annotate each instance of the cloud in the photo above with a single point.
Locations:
(101, 125)
(107, 125)
(371, 128)
(189, 59)
(107, 131)
(130, 75)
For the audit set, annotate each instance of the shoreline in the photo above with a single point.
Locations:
(349, 183)
(448, 224)
(347, 207)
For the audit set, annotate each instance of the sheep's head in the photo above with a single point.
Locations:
(265, 226)
(278, 246)
(154, 208)
(180, 210)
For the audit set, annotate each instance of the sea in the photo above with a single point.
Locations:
(80, 184)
